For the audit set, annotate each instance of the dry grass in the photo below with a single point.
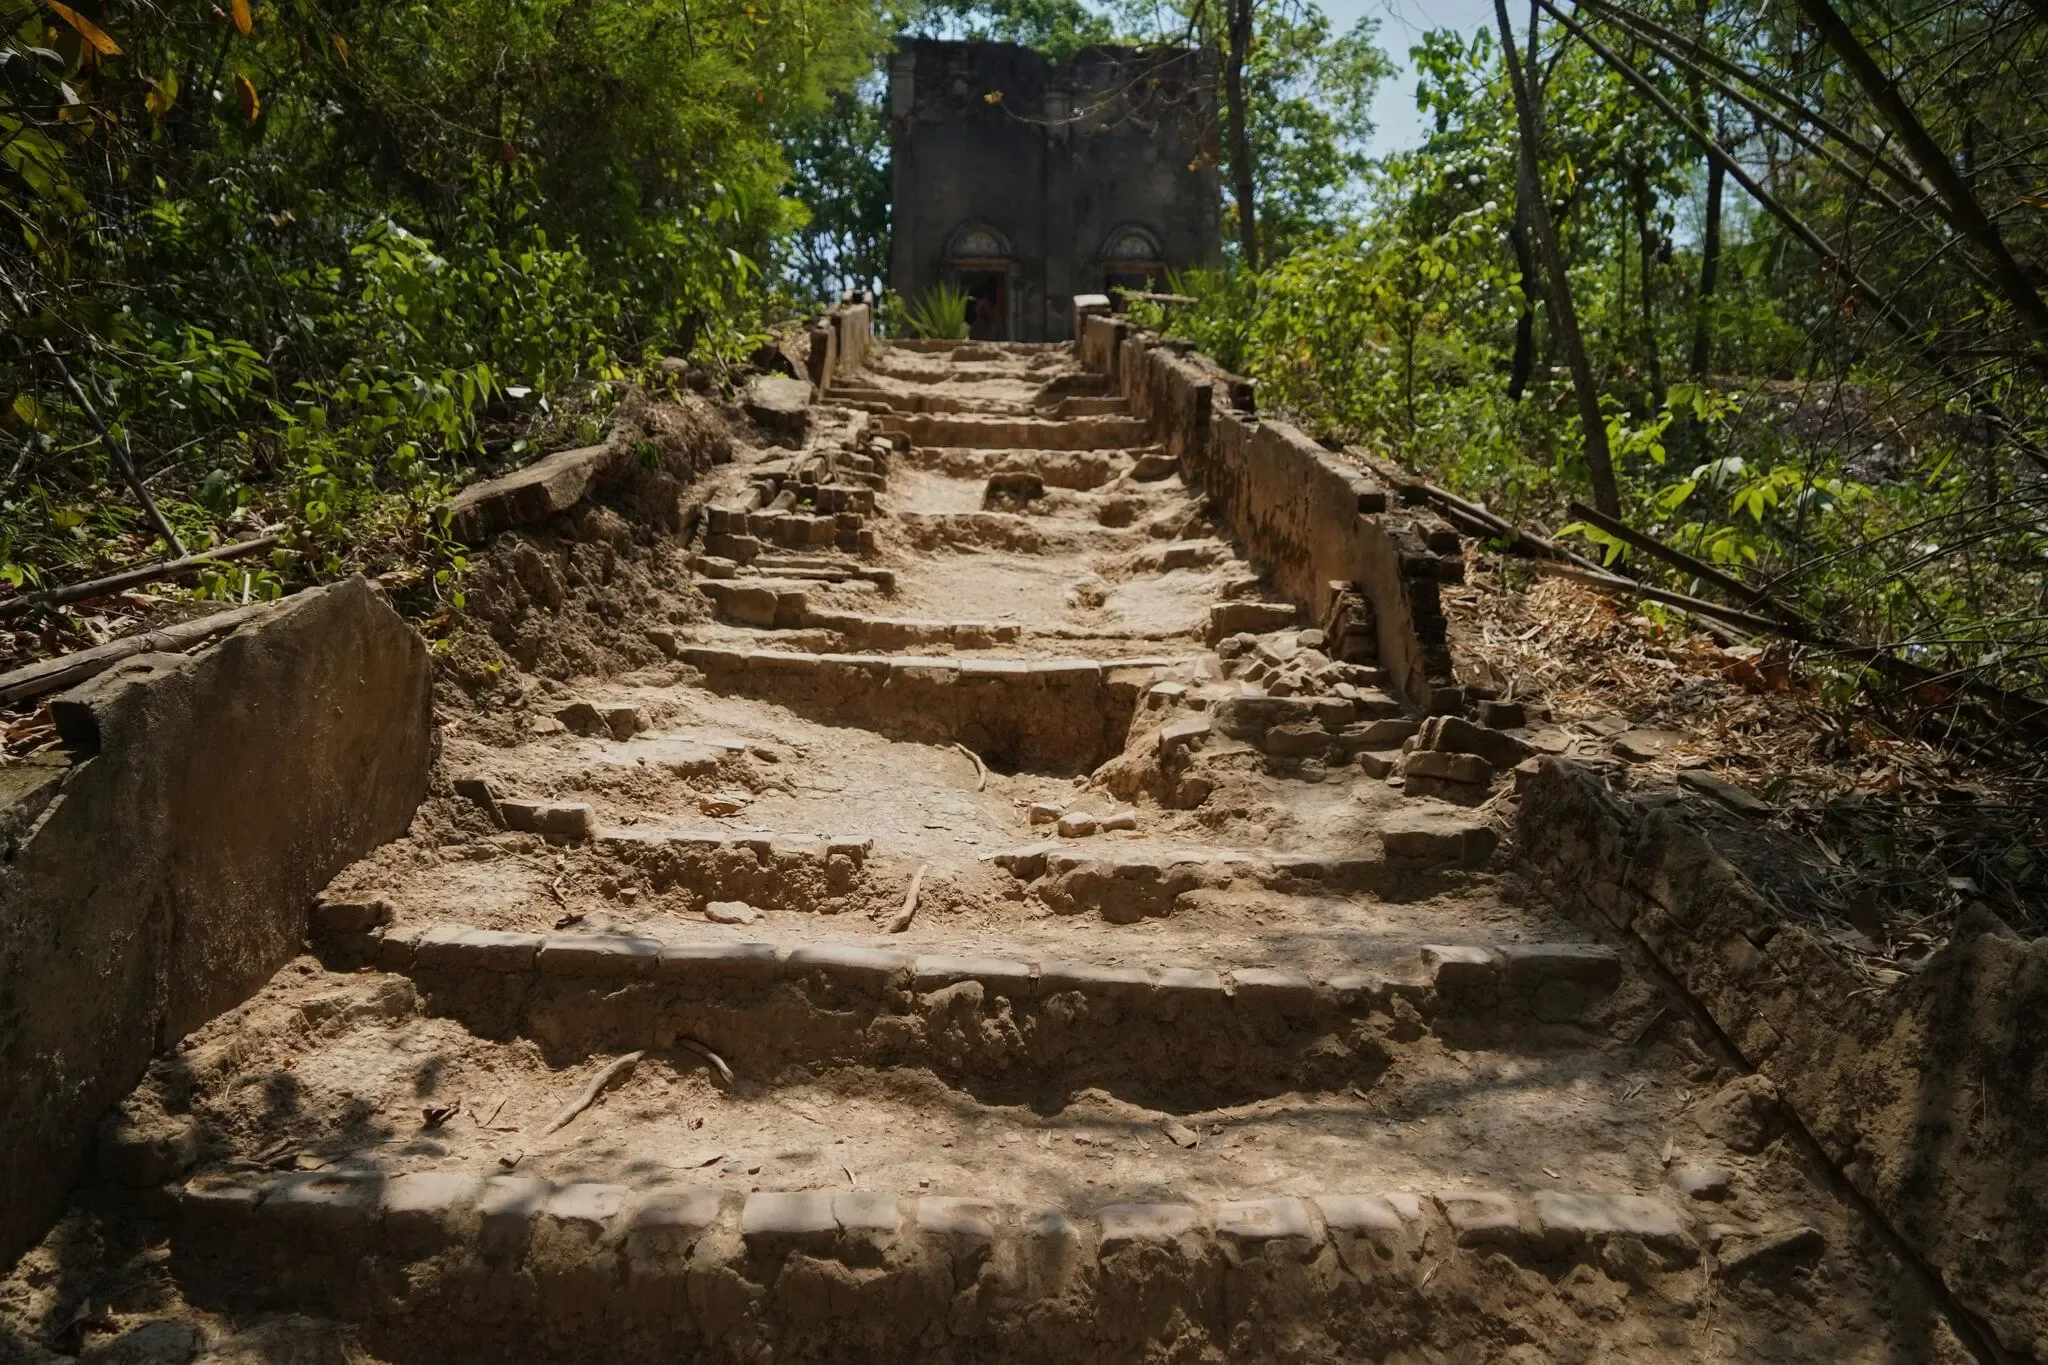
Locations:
(1888, 819)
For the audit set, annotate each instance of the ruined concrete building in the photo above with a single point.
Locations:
(1026, 181)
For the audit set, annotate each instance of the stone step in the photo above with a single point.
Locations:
(1012, 533)
(1235, 1031)
(1020, 433)
(444, 1257)
(768, 605)
(747, 533)
(879, 400)
(1053, 715)
(816, 569)
(1081, 470)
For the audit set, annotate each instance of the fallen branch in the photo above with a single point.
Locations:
(1697, 606)
(909, 911)
(980, 768)
(54, 675)
(134, 578)
(590, 1092)
(1698, 568)
(717, 1062)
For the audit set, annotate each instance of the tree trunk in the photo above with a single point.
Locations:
(1242, 181)
(1524, 359)
(1564, 319)
(1710, 274)
(1648, 242)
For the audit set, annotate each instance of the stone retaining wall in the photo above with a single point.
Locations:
(1930, 1095)
(1315, 522)
(165, 871)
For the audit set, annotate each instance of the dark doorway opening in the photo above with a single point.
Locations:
(988, 304)
(1134, 279)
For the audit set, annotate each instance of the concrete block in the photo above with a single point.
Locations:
(848, 965)
(684, 962)
(586, 1209)
(324, 1210)
(1565, 1218)
(1066, 672)
(1531, 965)
(569, 822)
(1123, 1224)
(998, 975)
(1467, 769)
(866, 1214)
(1462, 966)
(959, 1221)
(425, 1211)
(1437, 832)
(1285, 991)
(782, 1219)
(664, 1226)
(456, 948)
(1254, 1221)
(1129, 983)
(217, 1217)
(507, 1210)
(598, 955)
(1358, 1213)
(1480, 1218)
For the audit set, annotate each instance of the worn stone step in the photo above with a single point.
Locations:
(1081, 470)
(870, 398)
(769, 605)
(1011, 532)
(994, 1023)
(441, 1257)
(1058, 715)
(1020, 433)
(749, 533)
(699, 982)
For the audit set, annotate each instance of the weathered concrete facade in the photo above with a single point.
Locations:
(1027, 182)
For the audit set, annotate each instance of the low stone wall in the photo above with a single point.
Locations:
(166, 870)
(1315, 522)
(839, 342)
(1930, 1095)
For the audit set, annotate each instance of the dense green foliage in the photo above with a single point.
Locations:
(1880, 470)
(312, 263)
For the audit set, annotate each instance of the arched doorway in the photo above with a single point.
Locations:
(979, 258)
(1131, 261)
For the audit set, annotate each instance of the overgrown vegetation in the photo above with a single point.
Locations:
(311, 265)
(1858, 428)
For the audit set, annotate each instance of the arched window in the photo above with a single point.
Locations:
(1130, 261)
(1131, 243)
(978, 242)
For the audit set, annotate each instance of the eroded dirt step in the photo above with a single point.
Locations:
(1501, 1181)
(1019, 433)
(997, 1022)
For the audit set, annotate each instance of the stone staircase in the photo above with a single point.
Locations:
(823, 1000)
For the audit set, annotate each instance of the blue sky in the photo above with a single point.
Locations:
(1396, 125)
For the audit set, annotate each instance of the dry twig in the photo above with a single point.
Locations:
(590, 1092)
